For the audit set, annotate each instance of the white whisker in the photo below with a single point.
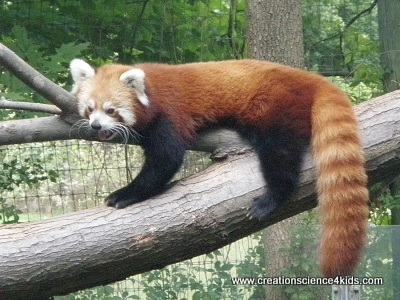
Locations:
(125, 132)
(79, 125)
(120, 129)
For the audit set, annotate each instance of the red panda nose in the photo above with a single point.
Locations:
(95, 125)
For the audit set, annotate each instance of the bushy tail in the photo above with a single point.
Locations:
(341, 183)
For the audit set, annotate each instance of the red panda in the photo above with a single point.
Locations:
(278, 109)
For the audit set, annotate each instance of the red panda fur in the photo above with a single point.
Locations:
(264, 95)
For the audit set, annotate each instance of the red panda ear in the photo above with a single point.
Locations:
(80, 70)
(134, 78)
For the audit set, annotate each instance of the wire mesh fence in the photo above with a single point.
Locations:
(67, 176)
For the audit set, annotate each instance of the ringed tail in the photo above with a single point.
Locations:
(341, 182)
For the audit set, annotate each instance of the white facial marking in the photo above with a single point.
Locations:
(127, 115)
(107, 105)
(83, 104)
(135, 79)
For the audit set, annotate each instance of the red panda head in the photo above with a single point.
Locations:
(106, 97)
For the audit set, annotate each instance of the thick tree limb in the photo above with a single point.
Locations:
(197, 215)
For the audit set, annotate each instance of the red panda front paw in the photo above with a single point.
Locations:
(120, 198)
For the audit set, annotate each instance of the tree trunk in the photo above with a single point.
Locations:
(275, 33)
(389, 34)
(197, 215)
(389, 31)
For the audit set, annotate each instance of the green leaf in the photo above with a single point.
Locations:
(197, 296)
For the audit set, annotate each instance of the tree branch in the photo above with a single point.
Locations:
(195, 216)
(349, 23)
(361, 13)
(137, 25)
(39, 83)
(36, 107)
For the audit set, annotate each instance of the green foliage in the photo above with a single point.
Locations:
(49, 34)
(378, 262)
(211, 280)
(14, 173)
(362, 57)
(169, 31)
(194, 279)
(253, 265)
(381, 203)
(52, 65)
(98, 293)
(334, 47)
(8, 213)
(301, 248)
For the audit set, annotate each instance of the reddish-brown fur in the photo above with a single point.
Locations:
(265, 95)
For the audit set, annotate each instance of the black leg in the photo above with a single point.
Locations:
(281, 155)
(164, 152)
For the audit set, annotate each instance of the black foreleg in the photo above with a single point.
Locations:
(164, 152)
(281, 156)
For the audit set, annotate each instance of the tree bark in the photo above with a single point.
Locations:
(389, 30)
(273, 31)
(195, 216)
(389, 36)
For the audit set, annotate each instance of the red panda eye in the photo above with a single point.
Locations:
(90, 109)
(110, 111)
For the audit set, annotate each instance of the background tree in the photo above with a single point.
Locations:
(275, 33)
(389, 33)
